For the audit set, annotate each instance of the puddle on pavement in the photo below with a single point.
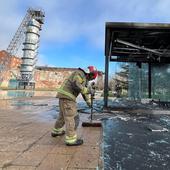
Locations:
(128, 144)
(9, 94)
(45, 109)
(41, 110)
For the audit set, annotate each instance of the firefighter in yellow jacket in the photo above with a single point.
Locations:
(67, 93)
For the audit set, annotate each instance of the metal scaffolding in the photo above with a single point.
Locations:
(19, 35)
(29, 27)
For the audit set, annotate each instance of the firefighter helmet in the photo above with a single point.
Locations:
(92, 71)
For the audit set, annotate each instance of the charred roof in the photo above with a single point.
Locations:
(137, 42)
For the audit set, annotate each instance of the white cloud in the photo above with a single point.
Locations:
(68, 20)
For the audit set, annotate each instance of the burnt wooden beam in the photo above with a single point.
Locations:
(139, 47)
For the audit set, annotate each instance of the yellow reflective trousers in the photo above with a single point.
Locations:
(68, 116)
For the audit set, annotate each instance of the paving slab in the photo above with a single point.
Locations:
(33, 156)
(55, 162)
(63, 150)
(84, 161)
(14, 147)
(20, 168)
(48, 140)
(91, 135)
(88, 154)
(6, 158)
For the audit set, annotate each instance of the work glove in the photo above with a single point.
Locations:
(89, 103)
(91, 90)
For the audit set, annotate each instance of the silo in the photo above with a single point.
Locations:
(30, 52)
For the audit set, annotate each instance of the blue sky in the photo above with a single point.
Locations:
(73, 33)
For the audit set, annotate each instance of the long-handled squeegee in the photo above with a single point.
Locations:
(92, 123)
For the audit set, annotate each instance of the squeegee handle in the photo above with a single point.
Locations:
(91, 107)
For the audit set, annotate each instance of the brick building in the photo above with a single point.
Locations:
(51, 77)
(9, 69)
(11, 62)
(46, 78)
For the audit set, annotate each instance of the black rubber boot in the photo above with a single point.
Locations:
(54, 134)
(76, 143)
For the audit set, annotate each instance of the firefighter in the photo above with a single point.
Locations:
(75, 84)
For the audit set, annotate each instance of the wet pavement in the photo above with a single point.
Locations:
(136, 142)
(133, 138)
(25, 141)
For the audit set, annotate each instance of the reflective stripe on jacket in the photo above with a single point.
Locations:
(73, 86)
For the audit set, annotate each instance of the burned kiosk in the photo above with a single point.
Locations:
(140, 43)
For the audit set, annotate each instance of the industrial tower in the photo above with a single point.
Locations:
(30, 49)
(29, 28)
